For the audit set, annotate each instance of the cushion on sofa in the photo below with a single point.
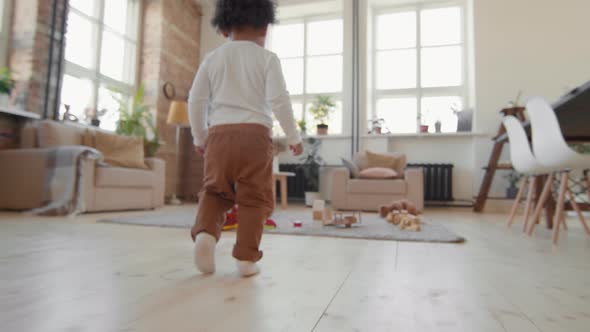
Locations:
(361, 186)
(352, 168)
(53, 134)
(122, 177)
(120, 151)
(88, 138)
(28, 136)
(395, 161)
(378, 173)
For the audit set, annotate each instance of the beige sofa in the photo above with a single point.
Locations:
(106, 188)
(368, 194)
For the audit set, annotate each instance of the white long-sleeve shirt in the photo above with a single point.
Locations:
(240, 82)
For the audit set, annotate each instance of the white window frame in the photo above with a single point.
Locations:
(419, 92)
(304, 98)
(5, 10)
(131, 60)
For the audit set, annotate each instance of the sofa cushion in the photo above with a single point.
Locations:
(352, 168)
(120, 151)
(28, 137)
(53, 134)
(88, 138)
(121, 177)
(395, 161)
(360, 186)
(378, 173)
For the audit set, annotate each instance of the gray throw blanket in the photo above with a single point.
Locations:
(62, 187)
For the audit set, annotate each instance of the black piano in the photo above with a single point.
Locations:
(573, 113)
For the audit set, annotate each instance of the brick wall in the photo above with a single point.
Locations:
(30, 51)
(28, 58)
(170, 53)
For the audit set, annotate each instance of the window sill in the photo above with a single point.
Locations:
(18, 112)
(321, 137)
(427, 135)
(388, 136)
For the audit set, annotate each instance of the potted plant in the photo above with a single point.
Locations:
(376, 126)
(320, 111)
(513, 177)
(137, 120)
(302, 127)
(464, 118)
(93, 115)
(310, 166)
(422, 128)
(6, 85)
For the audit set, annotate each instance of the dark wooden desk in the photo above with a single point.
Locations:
(573, 114)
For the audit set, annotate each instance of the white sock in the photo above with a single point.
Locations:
(247, 268)
(205, 252)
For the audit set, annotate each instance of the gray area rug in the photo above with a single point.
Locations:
(372, 227)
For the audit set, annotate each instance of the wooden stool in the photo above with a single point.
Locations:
(282, 178)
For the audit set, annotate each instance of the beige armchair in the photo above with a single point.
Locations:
(106, 188)
(368, 194)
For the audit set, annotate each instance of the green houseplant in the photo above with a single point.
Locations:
(6, 85)
(302, 127)
(137, 120)
(320, 110)
(513, 177)
(311, 161)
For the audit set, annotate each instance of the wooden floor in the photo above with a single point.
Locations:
(60, 274)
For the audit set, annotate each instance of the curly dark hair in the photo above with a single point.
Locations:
(244, 13)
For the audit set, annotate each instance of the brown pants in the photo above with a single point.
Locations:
(238, 170)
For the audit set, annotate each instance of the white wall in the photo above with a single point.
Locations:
(538, 46)
(210, 39)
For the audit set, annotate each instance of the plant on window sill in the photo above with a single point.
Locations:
(6, 85)
(320, 110)
(137, 121)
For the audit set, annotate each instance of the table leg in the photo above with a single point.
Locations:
(549, 204)
(284, 192)
(274, 189)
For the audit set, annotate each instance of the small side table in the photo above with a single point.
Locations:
(282, 178)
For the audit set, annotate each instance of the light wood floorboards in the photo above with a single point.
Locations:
(73, 274)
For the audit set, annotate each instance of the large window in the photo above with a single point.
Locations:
(101, 48)
(311, 53)
(419, 73)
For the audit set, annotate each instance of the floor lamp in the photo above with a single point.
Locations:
(177, 116)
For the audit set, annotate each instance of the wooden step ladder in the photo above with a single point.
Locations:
(494, 161)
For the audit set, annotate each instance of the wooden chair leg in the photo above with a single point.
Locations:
(587, 182)
(517, 201)
(529, 201)
(578, 211)
(560, 206)
(541, 203)
(562, 220)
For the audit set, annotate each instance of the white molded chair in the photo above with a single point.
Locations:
(525, 163)
(551, 150)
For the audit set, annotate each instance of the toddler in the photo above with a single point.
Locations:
(237, 88)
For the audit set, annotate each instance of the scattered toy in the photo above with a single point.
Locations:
(231, 220)
(400, 205)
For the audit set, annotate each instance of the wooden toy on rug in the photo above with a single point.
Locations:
(405, 221)
(346, 220)
(321, 212)
(400, 205)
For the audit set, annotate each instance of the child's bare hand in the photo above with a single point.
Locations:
(200, 150)
(296, 149)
